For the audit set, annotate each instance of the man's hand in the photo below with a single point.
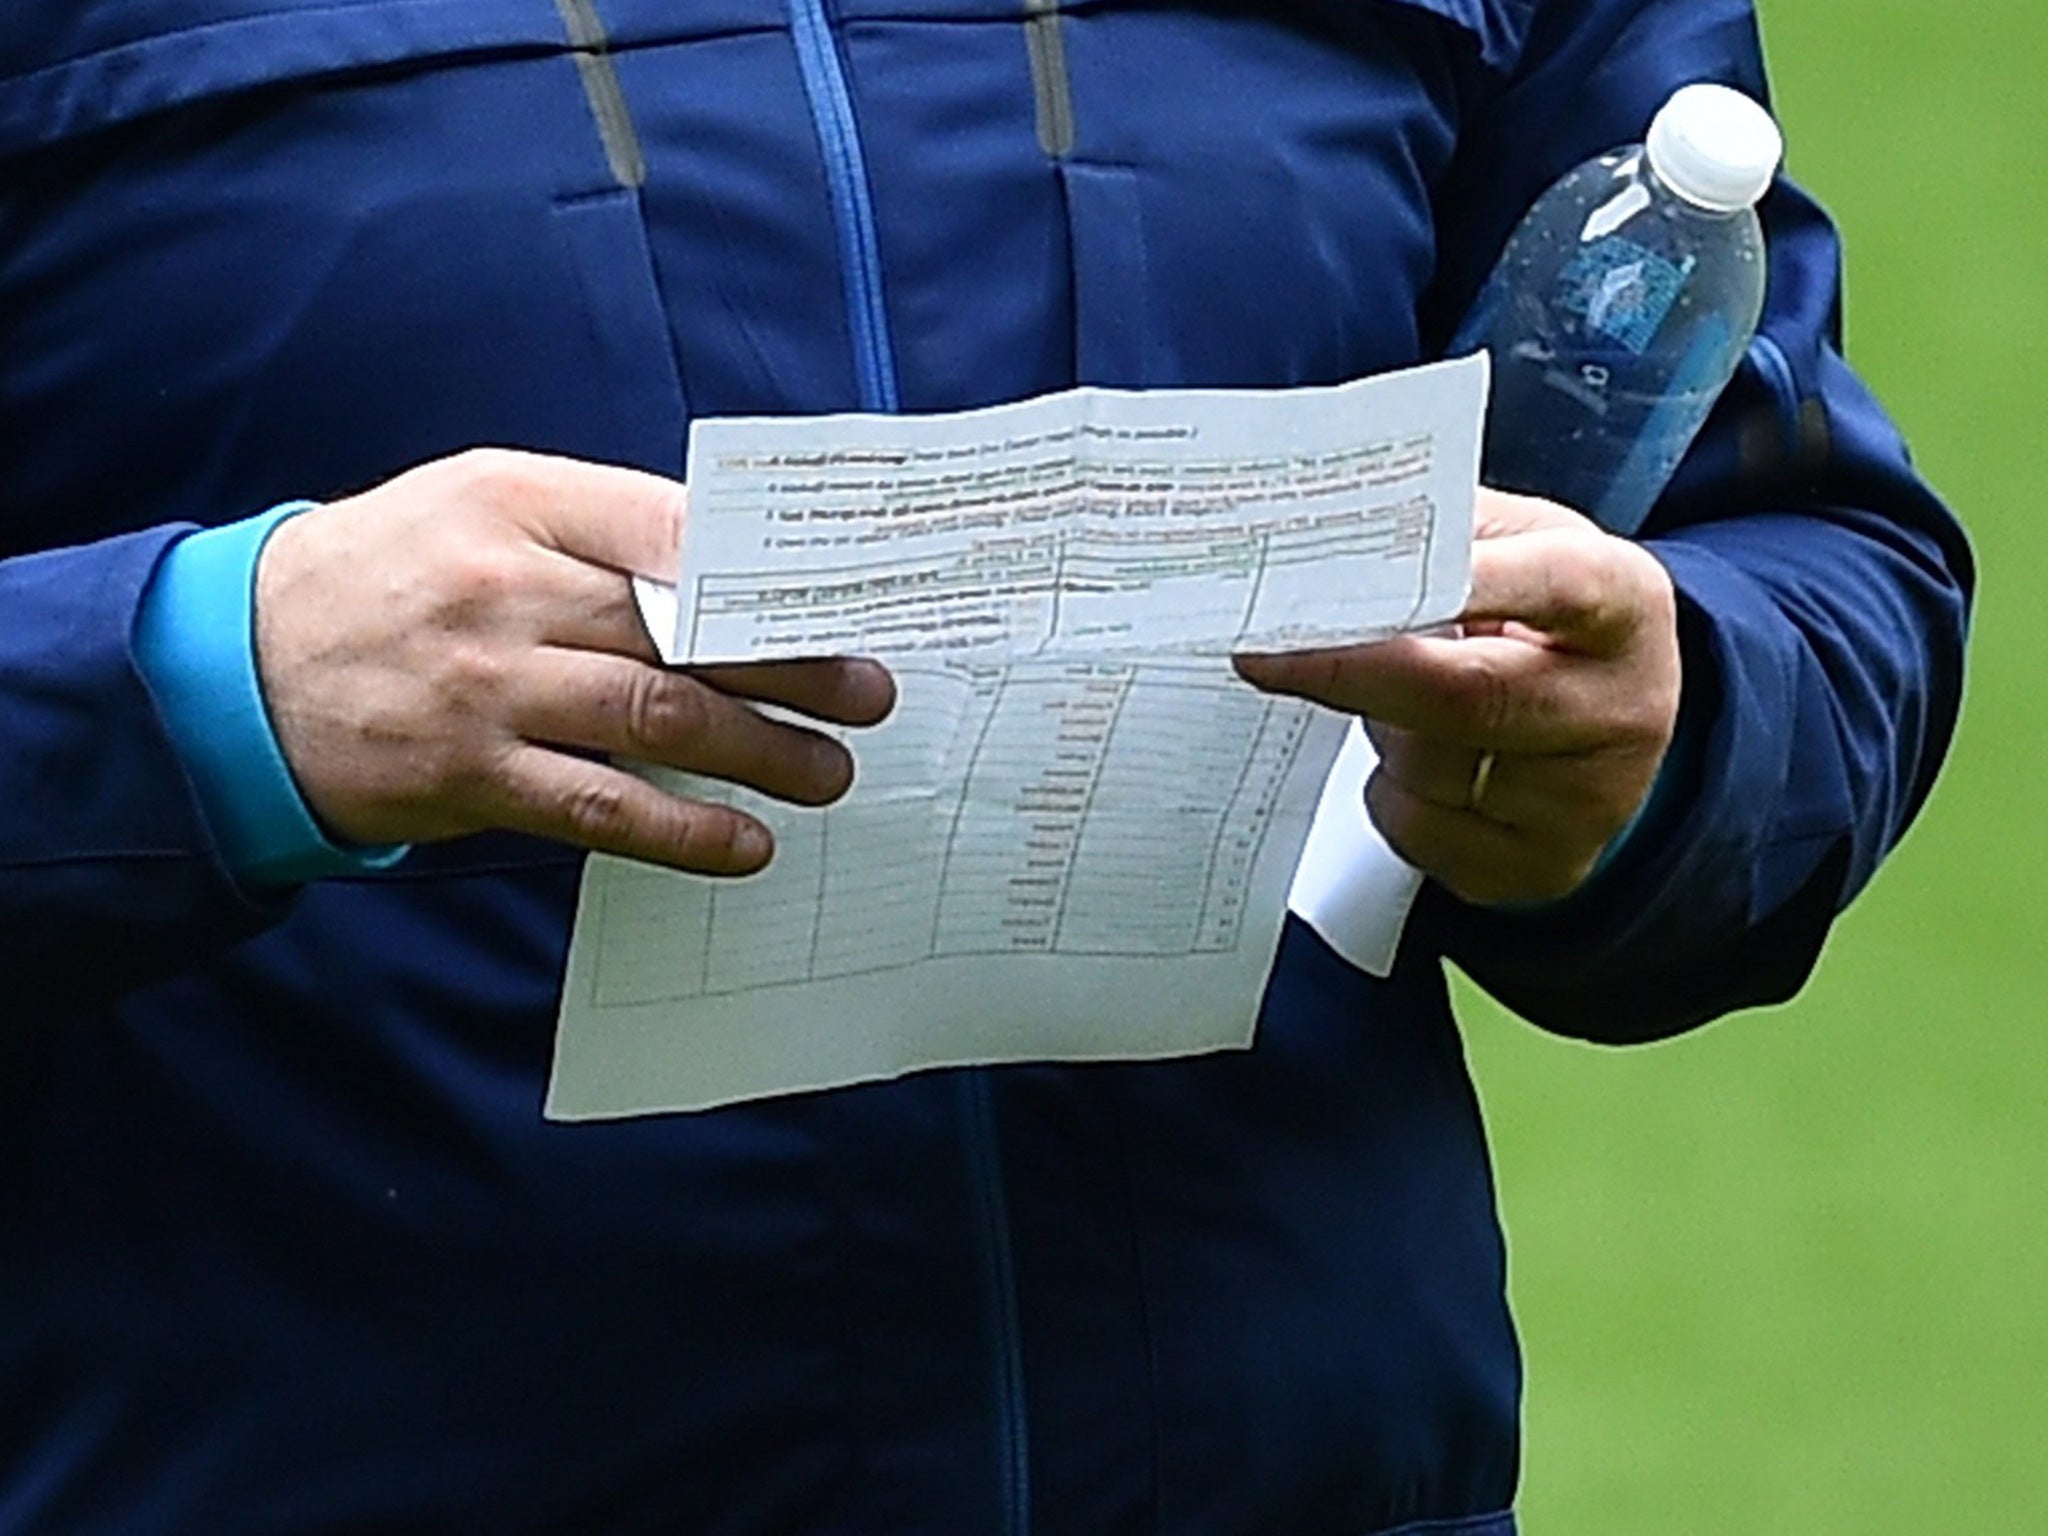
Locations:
(429, 649)
(1512, 755)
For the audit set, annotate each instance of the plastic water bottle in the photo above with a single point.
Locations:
(1622, 306)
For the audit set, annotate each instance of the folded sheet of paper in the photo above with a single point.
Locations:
(1075, 839)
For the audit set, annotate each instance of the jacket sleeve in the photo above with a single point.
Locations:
(1824, 593)
(108, 872)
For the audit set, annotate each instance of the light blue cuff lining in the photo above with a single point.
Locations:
(195, 644)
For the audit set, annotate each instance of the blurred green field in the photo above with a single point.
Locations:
(1791, 1274)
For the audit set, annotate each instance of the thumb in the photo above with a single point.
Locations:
(604, 514)
(1503, 514)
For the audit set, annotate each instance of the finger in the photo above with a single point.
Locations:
(1583, 798)
(1479, 860)
(602, 514)
(1501, 692)
(1438, 772)
(622, 518)
(506, 571)
(1502, 514)
(586, 607)
(846, 690)
(1588, 592)
(612, 704)
(596, 806)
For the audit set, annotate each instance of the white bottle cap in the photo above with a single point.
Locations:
(1714, 147)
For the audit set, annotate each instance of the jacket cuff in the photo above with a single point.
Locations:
(195, 645)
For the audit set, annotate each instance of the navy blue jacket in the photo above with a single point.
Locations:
(285, 1245)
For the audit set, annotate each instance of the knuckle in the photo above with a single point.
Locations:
(1605, 567)
(1591, 585)
(488, 473)
(473, 677)
(597, 811)
(1619, 604)
(1639, 709)
(660, 713)
(1661, 603)
(477, 582)
(1645, 730)
(1633, 592)
(1482, 693)
(455, 778)
(462, 777)
(499, 484)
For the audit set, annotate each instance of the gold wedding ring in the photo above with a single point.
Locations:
(1482, 776)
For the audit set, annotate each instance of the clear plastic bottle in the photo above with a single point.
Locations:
(1622, 305)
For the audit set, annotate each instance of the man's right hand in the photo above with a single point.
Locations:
(434, 651)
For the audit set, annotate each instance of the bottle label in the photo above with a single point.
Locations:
(1669, 429)
(1622, 290)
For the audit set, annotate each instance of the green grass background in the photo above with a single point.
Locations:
(1791, 1274)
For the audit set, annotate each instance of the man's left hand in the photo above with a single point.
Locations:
(1513, 754)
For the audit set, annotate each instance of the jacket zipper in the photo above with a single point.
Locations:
(823, 72)
(999, 1300)
(853, 208)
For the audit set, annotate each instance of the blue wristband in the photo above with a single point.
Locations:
(195, 645)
